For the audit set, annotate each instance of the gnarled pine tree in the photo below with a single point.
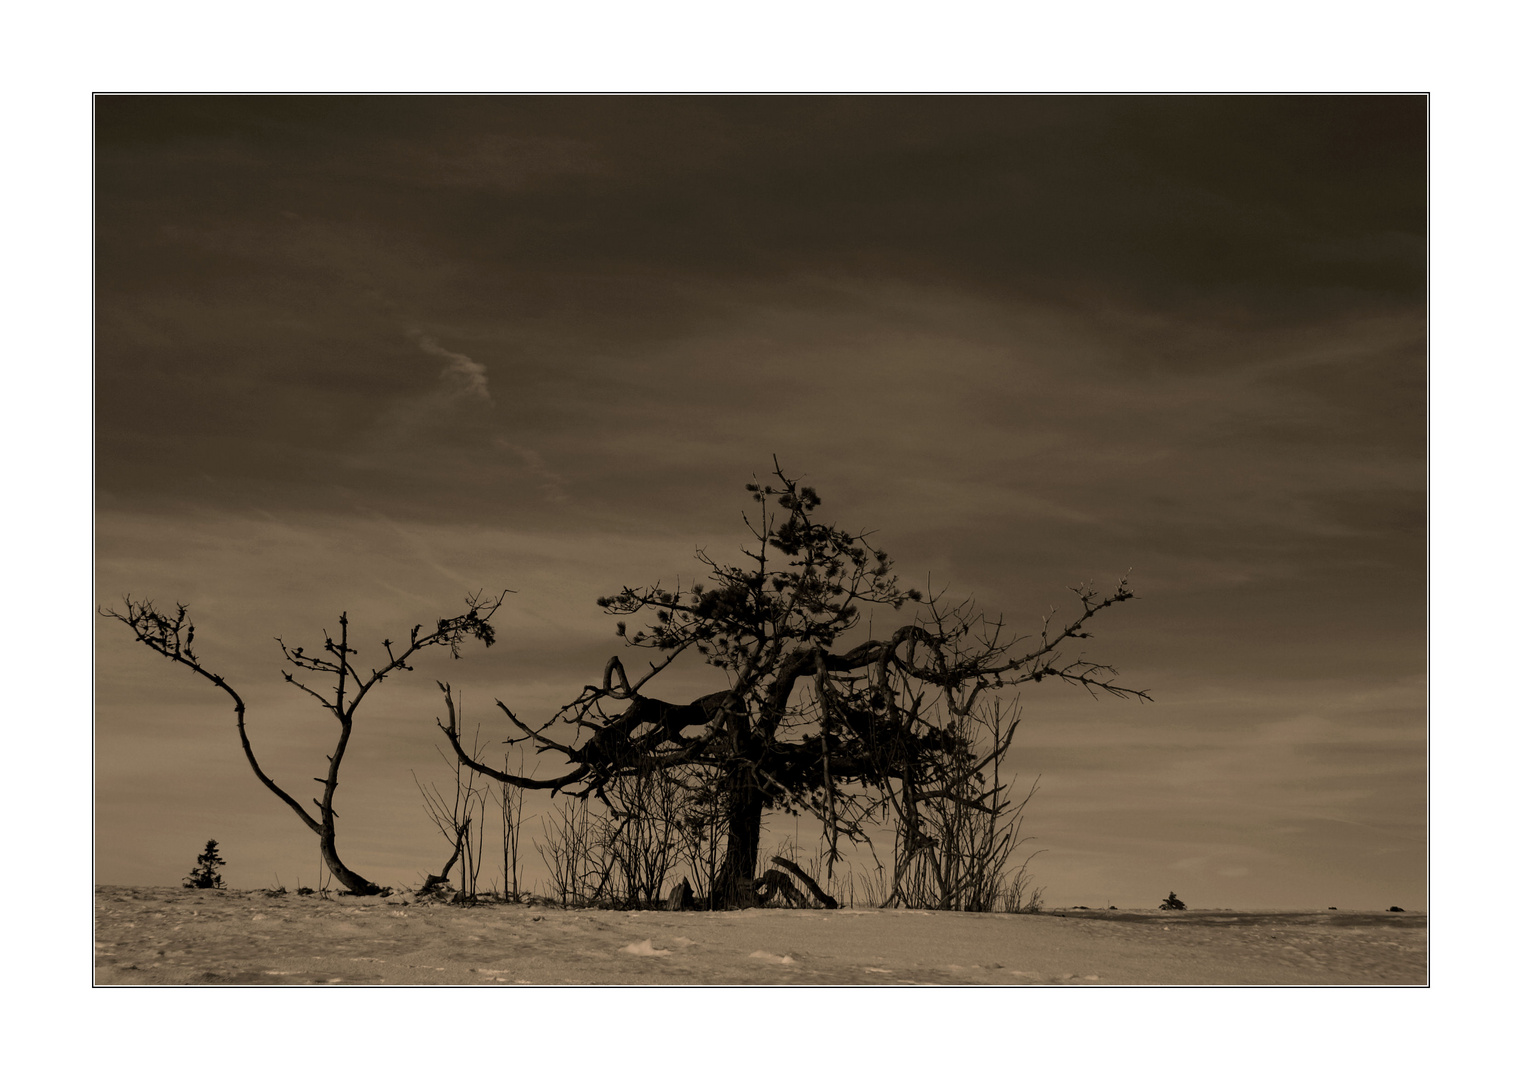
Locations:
(806, 724)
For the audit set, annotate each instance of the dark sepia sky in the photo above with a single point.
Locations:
(368, 354)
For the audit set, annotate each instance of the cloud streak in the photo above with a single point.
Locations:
(462, 376)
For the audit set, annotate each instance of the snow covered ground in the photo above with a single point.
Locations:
(168, 935)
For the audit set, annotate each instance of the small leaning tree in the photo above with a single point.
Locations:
(809, 722)
(173, 636)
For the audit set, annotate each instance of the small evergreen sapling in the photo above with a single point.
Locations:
(205, 875)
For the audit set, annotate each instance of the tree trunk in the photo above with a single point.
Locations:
(736, 885)
(350, 880)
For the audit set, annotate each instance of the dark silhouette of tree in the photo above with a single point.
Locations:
(807, 723)
(173, 636)
(205, 875)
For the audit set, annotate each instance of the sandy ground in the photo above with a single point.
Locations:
(175, 936)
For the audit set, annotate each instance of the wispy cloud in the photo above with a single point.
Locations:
(462, 376)
(433, 429)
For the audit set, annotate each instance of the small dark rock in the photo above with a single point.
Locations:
(1331, 909)
(1397, 909)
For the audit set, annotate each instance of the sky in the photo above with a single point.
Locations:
(369, 355)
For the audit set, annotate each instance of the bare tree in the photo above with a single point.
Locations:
(569, 853)
(460, 820)
(509, 800)
(958, 828)
(640, 834)
(173, 636)
(806, 725)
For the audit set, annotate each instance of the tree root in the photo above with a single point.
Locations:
(769, 884)
(824, 898)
